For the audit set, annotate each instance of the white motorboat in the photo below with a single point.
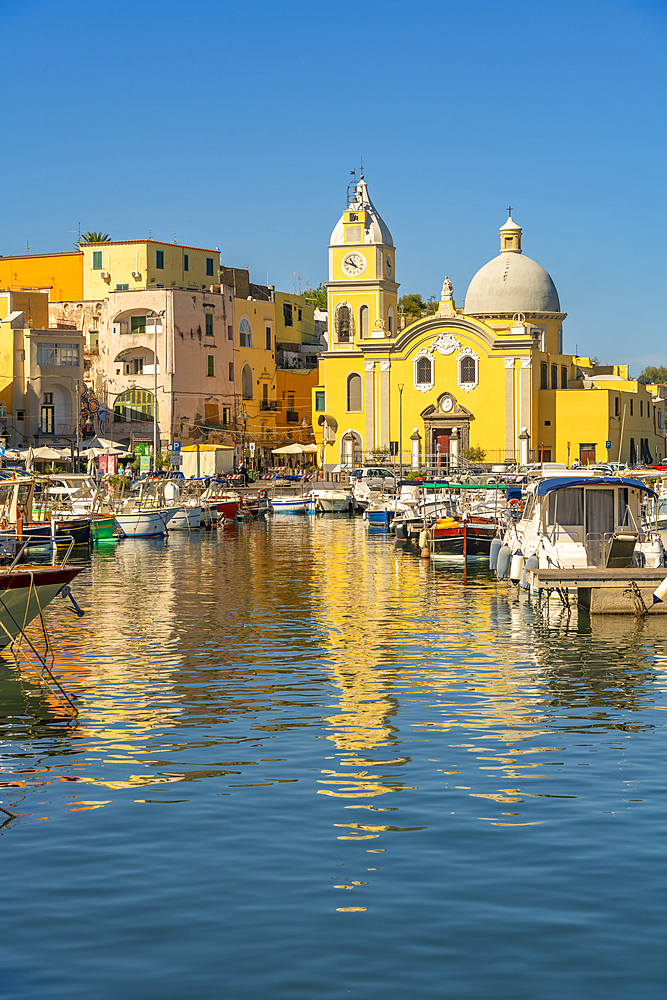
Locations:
(188, 517)
(144, 522)
(581, 523)
(331, 501)
(293, 505)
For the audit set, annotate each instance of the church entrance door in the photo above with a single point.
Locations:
(441, 441)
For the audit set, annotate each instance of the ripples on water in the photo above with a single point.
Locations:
(307, 765)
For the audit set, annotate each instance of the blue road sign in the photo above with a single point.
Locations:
(608, 445)
(175, 446)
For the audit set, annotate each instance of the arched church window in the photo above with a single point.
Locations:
(363, 322)
(424, 371)
(467, 370)
(354, 393)
(343, 324)
(246, 382)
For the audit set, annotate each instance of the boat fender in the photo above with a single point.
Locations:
(503, 564)
(516, 567)
(532, 563)
(660, 594)
(422, 539)
(493, 552)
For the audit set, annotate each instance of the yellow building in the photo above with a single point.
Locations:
(58, 274)
(490, 378)
(41, 373)
(128, 265)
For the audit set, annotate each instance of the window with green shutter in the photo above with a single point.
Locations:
(186, 261)
(137, 324)
(211, 365)
(209, 266)
(159, 259)
(209, 324)
(319, 401)
(97, 260)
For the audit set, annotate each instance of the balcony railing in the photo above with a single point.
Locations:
(268, 405)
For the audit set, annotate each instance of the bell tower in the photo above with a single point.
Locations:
(362, 292)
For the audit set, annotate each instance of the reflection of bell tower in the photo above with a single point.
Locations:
(362, 292)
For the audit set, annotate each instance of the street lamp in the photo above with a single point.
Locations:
(155, 317)
(401, 386)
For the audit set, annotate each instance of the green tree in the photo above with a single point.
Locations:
(317, 296)
(652, 374)
(412, 305)
(94, 238)
(474, 453)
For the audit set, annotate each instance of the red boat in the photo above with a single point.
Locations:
(466, 536)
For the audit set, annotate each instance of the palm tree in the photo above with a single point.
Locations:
(94, 238)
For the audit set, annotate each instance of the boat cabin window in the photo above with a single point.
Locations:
(599, 512)
(566, 507)
(624, 519)
(529, 508)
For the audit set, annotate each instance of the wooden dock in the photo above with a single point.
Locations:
(606, 591)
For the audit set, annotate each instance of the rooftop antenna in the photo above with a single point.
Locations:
(76, 231)
(27, 246)
(174, 235)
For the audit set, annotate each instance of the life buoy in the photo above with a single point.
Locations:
(262, 494)
(515, 504)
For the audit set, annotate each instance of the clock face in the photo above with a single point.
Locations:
(354, 264)
(388, 266)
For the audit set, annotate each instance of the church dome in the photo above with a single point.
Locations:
(375, 231)
(511, 283)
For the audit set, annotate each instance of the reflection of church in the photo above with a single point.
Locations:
(490, 373)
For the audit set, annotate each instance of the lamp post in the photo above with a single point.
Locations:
(77, 386)
(244, 417)
(401, 386)
(155, 316)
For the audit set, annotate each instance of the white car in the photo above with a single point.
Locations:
(375, 477)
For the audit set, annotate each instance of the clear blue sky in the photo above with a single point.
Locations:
(236, 126)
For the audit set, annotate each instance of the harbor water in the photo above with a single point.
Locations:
(308, 765)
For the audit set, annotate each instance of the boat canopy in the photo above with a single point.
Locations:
(548, 485)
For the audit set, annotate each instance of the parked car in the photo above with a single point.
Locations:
(375, 477)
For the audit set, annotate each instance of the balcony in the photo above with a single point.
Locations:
(268, 405)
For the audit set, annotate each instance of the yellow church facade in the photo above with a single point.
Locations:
(488, 378)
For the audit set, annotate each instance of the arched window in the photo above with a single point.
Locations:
(246, 382)
(424, 371)
(343, 324)
(133, 405)
(354, 394)
(390, 321)
(245, 333)
(363, 322)
(467, 371)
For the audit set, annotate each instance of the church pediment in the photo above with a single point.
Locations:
(447, 406)
(442, 333)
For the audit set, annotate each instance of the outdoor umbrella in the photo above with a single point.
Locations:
(44, 454)
(288, 449)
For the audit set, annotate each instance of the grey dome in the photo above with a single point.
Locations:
(376, 230)
(511, 283)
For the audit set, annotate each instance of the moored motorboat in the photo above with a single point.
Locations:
(331, 501)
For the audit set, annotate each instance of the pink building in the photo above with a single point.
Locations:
(192, 334)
